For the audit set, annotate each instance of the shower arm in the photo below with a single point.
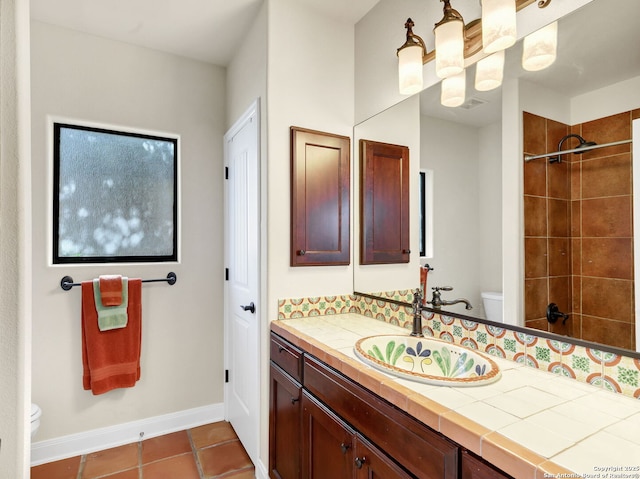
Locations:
(583, 149)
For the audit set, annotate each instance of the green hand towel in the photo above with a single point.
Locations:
(111, 317)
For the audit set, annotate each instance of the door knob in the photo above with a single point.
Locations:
(251, 307)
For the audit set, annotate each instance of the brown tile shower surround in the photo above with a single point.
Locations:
(579, 230)
(212, 451)
(602, 369)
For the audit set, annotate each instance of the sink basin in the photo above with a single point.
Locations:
(427, 360)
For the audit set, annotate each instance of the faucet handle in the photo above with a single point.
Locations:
(442, 288)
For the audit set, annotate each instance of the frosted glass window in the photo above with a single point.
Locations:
(115, 196)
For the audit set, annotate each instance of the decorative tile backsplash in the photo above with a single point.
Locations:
(613, 372)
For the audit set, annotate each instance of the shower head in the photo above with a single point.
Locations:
(576, 150)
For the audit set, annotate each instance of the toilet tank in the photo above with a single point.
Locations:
(492, 302)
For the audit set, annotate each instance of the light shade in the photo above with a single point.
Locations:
(489, 72)
(453, 90)
(539, 48)
(449, 39)
(410, 69)
(498, 25)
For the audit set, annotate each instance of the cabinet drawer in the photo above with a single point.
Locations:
(287, 356)
(422, 451)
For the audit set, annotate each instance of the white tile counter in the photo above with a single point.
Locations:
(530, 423)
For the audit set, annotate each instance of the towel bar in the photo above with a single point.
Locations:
(66, 283)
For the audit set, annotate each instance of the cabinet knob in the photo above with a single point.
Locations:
(301, 252)
(406, 251)
(360, 461)
(294, 400)
(344, 447)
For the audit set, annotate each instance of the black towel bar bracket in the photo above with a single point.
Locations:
(67, 283)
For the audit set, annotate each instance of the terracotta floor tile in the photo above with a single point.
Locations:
(165, 446)
(220, 454)
(110, 461)
(228, 457)
(64, 469)
(177, 467)
(211, 434)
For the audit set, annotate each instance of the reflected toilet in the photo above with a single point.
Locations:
(492, 302)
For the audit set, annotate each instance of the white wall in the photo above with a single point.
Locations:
(15, 239)
(399, 125)
(89, 78)
(310, 85)
(451, 151)
(490, 207)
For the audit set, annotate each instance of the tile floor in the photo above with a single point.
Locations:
(212, 451)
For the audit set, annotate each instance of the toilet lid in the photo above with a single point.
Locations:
(35, 411)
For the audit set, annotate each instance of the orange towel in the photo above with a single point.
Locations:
(111, 359)
(111, 290)
(424, 271)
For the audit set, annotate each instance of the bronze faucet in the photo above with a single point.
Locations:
(437, 302)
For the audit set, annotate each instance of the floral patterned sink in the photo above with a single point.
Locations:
(427, 360)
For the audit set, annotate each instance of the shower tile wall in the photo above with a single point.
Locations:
(578, 230)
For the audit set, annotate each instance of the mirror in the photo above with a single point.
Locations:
(471, 152)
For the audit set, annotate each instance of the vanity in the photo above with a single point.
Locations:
(338, 421)
(333, 416)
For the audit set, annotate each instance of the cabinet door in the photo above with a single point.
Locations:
(384, 203)
(320, 195)
(475, 468)
(284, 426)
(371, 463)
(327, 445)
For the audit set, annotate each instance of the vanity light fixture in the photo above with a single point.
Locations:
(489, 71)
(410, 61)
(452, 93)
(539, 48)
(498, 25)
(449, 38)
(455, 41)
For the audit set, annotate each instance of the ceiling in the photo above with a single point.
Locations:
(205, 30)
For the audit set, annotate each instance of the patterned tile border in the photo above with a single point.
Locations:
(606, 370)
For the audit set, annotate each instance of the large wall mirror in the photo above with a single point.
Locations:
(471, 152)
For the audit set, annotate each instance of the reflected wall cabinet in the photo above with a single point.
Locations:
(384, 203)
(320, 190)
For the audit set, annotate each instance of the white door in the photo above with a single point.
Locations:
(242, 308)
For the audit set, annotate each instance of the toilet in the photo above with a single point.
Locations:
(492, 302)
(36, 412)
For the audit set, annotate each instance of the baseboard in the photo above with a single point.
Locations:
(112, 436)
(261, 471)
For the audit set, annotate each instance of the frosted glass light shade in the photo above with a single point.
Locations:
(539, 48)
(410, 70)
(498, 24)
(453, 90)
(489, 72)
(449, 48)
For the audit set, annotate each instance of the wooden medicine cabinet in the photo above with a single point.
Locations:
(320, 190)
(384, 203)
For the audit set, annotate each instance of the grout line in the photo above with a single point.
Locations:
(83, 459)
(140, 457)
(195, 454)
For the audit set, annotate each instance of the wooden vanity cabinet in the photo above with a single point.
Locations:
(285, 410)
(423, 452)
(333, 449)
(473, 467)
(327, 443)
(322, 425)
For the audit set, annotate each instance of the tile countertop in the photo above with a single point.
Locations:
(530, 423)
